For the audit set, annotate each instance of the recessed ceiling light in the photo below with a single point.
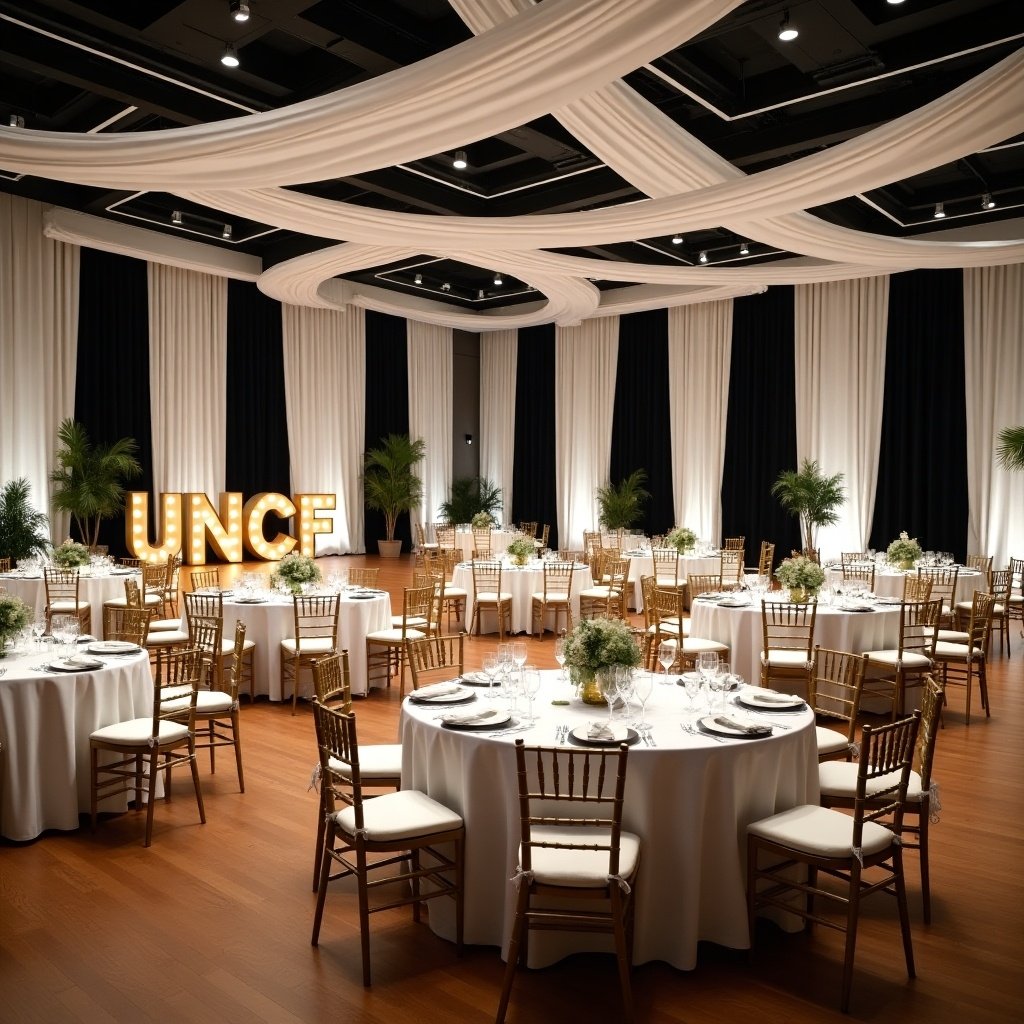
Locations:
(677, 239)
(744, 249)
(176, 217)
(497, 280)
(894, 3)
(479, 293)
(229, 58)
(703, 258)
(446, 287)
(226, 233)
(987, 202)
(787, 31)
(940, 211)
(459, 162)
(418, 279)
(16, 121)
(239, 10)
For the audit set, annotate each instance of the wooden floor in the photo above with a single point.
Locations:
(212, 923)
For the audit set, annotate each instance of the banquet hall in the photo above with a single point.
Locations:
(559, 242)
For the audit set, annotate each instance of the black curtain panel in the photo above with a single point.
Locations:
(760, 437)
(533, 467)
(641, 436)
(387, 404)
(922, 467)
(112, 372)
(257, 423)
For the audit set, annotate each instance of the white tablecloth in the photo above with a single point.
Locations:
(740, 629)
(522, 584)
(94, 589)
(890, 582)
(689, 799)
(500, 539)
(643, 565)
(273, 619)
(45, 722)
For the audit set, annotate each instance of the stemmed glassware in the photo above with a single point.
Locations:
(607, 681)
(492, 666)
(666, 655)
(530, 677)
(719, 680)
(707, 664)
(519, 654)
(691, 683)
(560, 656)
(65, 629)
(643, 683)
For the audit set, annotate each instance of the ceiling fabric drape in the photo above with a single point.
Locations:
(840, 376)
(994, 382)
(586, 358)
(699, 358)
(38, 348)
(430, 412)
(324, 381)
(499, 355)
(188, 330)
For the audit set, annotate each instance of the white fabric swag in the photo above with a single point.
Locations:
(499, 358)
(325, 389)
(430, 412)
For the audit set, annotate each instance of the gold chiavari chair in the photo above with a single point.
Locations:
(315, 634)
(364, 576)
(488, 596)
(62, 598)
(787, 651)
(385, 648)
(961, 663)
(766, 560)
(836, 681)
(554, 597)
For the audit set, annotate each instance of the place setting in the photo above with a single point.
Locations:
(446, 693)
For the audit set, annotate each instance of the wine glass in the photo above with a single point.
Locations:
(65, 629)
(560, 656)
(666, 655)
(38, 629)
(720, 681)
(519, 653)
(606, 680)
(691, 683)
(643, 683)
(707, 663)
(492, 666)
(530, 676)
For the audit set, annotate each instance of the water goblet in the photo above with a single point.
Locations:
(624, 686)
(707, 663)
(643, 683)
(519, 653)
(531, 687)
(606, 683)
(721, 681)
(560, 656)
(692, 683)
(492, 667)
(666, 655)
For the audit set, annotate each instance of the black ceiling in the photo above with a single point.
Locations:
(126, 65)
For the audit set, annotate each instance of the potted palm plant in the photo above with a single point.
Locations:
(390, 483)
(621, 505)
(88, 482)
(1011, 448)
(471, 496)
(811, 496)
(22, 528)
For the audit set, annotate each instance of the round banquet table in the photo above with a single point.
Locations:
(522, 584)
(45, 721)
(641, 563)
(689, 798)
(889, 582)
(740, 629)
(94, 589)
(270, 618)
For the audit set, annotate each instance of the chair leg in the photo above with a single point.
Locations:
(622, 955)
(193, 761)
(924, 812)
(212, 737)
(852, 917)
(236, 739)
(515, 939)
(321, 828)
(151, 803)
(983, 688)
(364, 912)
(904, 911)
(327, 831)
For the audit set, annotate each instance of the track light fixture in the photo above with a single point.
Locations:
(498, 282)
(229, 58)
(787, 31)
(744, 249)
(987, 202)
(176, 218)
(469, 439)
(479, 293)
(703, 258)
(226, 233)
(894, 3)
(677, 239)
(446, 287)
(418, 279)
(239, 10)
(16, 121)
(940, 211)
(460, 163)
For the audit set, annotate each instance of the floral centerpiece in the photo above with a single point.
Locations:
(521, 550)
(802, 575)
(294, 570)
(595, 644)
(903, 551)
(482, 520)
(15, 615)
(681, 538)
(70, 555)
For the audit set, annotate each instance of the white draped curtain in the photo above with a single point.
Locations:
(586, 360)
(188, 358)
(38, 348)
(430, 412)
(325, 389)
(994, 382)
(840, 379)
(499, 356)
(699, 356)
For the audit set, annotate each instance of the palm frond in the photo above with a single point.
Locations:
(1011, 448)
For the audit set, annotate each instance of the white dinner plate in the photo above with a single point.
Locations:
(459, 696)
(723, 725)
(76, 666)
(250, 600)
(492, 718)
(620, 734)
(476, 679)
(770, 701)
(113, 647)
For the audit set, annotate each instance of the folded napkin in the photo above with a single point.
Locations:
(599, 731)
(734, 602)
(471, 717)
(81, 661)
(771, 697)
(436, 689)
(87, 638)
(747, 730)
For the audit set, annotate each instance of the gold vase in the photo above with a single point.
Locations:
(907, 564)
(798, 595)
(587, 686)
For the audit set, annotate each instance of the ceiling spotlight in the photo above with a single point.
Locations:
(703, 257)
(479, 293)
(497, 280)
(229, 58)
(787, 31)
(16, 121)
(940, 211)
(677, 239)
(744, 249)
(894, 3)
(987, 202)
(418, 279)
(176, 218)
(460, 163)
(446, 287)
(226, 233)
(239, 10)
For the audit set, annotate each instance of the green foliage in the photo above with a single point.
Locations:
(88, 482)
(15, 615)
(1011, 448)
(595, 643)
(70, 555)
(294, 570)
(811, 496)
(22, 528)
(390, 484)
(622, 504)
(469, 496)
(800, 571)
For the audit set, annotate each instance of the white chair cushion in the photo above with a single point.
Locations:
(580, 869)
(839, 779)
(490, 597)
(455, 593)
(402, 815)
(308, 645)
(696, 644)
(228, 646)
(954, 652)
(953, 636)
(139, 731)
(68, 606)
(376, 761)
(150, 601)
(166, 637)
(820, 831)
(781, 657)
(552, 598)
(161, 625)
(394, 636)
(209, 702)
(910, 659)
(830, 741)
(598, 592)
(417, 621)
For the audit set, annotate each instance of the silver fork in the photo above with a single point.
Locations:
(645, 734)
(694, 731)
